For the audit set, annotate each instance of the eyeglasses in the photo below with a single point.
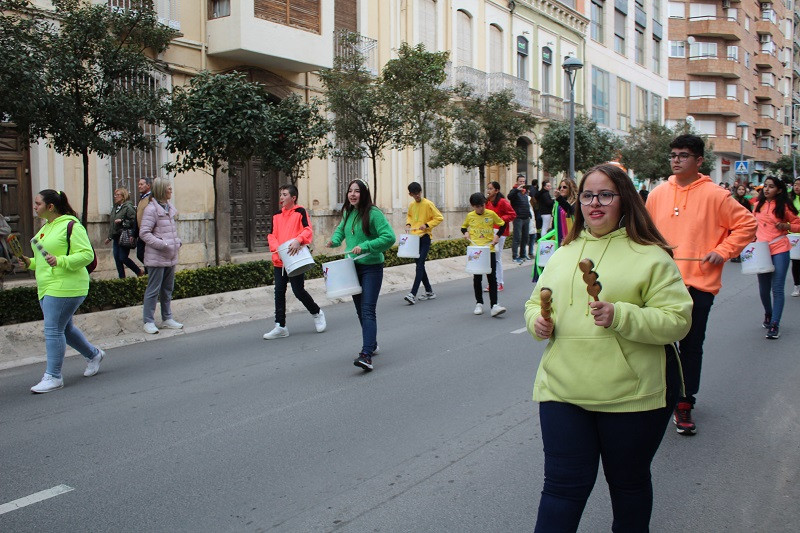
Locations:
(683, 156)
(564, 187)
(604, 197)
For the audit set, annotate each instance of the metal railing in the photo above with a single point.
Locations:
(346, 43)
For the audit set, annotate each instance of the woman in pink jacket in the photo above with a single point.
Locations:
(775, 217)
(160, 234)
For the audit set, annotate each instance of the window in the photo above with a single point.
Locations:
(746, 99)
(746, 23)
(434, 177)
(219, 8)
(677, 89)
(495, 49)
(677, 49)
(600, 96)
(656, 55)
(623, 104)
(547, 70)
(303, 14)
(619, 31)
(642, 102)
(732, 13)
(426, 22)
(730, 91)
(730, 130)
(706, 127)
(657, 10)
(464, 39)
(768, 79)
(676, 10)
(733, 53)
(766, 110)
(702, 11)
(747, 59)
(655, 108)
(522, 58)
(597, 14)
(702, 50)
(467, 183)
(639, 45)
(702, 89)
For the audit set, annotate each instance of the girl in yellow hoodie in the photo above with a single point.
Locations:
(606, 383)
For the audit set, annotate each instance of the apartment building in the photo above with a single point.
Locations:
(281, 44)
(626, 71)
(729, 66)
(794, 112)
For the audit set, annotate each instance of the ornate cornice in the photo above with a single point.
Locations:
(558, 13)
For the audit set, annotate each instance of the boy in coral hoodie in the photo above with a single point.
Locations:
(291, 224)
(707, 227)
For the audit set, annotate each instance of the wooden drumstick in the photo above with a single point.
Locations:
(16, 247)
(545, 297)
(593, 287)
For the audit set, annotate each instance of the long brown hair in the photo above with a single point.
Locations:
(362, 208)
(637, 222)
(572, 195)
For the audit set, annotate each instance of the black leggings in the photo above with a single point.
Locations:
(796, 271)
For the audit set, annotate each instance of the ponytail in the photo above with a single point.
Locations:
(59, 201)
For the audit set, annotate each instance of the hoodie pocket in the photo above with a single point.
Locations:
(589, 370)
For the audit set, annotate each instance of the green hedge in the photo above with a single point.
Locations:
(21, 304)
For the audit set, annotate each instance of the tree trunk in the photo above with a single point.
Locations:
(215, 169)
(482, 173)
(375, 179)
(85, 206)
(424, 190)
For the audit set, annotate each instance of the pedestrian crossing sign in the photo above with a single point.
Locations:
(743, 167)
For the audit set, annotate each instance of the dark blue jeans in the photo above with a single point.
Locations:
(773, 282)
(122, 260)
(299, 290)
(575, 440)
(370, 277)
(421, 275)
(692, 344)
(519, 238)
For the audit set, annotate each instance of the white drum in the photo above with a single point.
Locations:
(341, 279)
(544, 250)
(408, 246)
(296, 264)
(794, 240)
(479, 260)
(756, 258)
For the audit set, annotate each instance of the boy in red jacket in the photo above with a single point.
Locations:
(291, 224)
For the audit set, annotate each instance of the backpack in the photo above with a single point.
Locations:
(91, 266)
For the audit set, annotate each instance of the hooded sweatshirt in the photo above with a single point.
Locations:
(291, 223)
(697, 219)
(69, 277)
(620, 368)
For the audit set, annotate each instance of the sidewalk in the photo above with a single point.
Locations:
(23, 344)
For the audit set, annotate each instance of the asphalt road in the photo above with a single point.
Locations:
(223, 431)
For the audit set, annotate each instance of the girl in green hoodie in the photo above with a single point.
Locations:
(606, 385)
(63, 283)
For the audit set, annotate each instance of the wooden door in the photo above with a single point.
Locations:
(16, 202)
(253, 200)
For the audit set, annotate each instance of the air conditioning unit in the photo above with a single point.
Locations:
(765, 38)
(766, 6)
(726, 4)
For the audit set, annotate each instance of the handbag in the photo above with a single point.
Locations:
(128, 238)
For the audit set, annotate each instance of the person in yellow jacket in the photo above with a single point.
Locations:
(63, 283)
(607, 383)
(422, 217)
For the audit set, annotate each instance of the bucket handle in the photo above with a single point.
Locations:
(356, 258)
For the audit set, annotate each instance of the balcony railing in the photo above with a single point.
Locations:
(552, 106)
(499, 81)
(346, 43)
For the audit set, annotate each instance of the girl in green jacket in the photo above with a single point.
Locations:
(63, 283)
(606, 385)
(365, 230)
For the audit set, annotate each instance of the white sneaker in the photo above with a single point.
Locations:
(94, 365)
(319, 322)
(171, 324)
(376, 350)
(277, 332)
(796, 291)
(427, 296)
(498, 309)
(410, 298)
(48, 384)
(478, 309)
(150, 328)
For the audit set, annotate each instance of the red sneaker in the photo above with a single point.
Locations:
(683, 419)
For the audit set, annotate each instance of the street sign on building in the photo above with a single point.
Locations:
(743, 167)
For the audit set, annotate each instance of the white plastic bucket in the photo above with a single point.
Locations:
(341, 279)
(479, 260)
(794, 241)
(297, 264)
(544, 249)
(408, 246)
(756, 258)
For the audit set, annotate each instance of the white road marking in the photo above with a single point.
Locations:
(34, 498)
(520, 330)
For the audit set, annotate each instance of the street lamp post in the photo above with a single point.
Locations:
(794, 164)
(571, 66)
(742, 125)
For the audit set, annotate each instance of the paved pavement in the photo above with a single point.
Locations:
(22, 344)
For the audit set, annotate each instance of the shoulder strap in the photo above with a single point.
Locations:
(69, 234)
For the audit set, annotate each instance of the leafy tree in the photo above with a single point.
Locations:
(296, 129)
(366, 112)
(219, 118)
(482, 131)
(21, 63)
(416, 77)
(784, 167)
(645, 150)
(709, 158)
(593, 145)
(93, 100)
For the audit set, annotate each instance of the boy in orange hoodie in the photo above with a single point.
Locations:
(707, 227)
(291, 224)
